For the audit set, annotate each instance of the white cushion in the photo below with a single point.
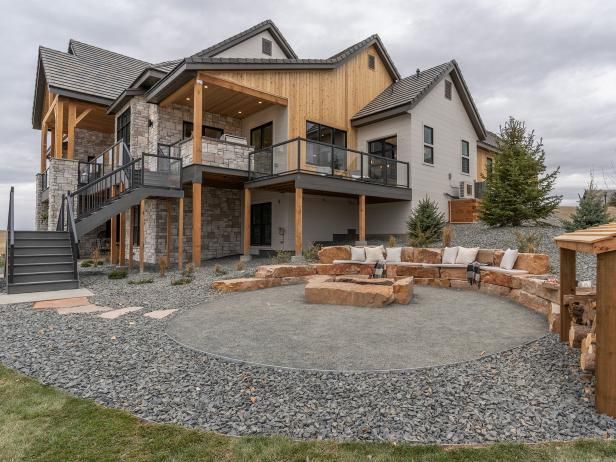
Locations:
(496, 269)
(467, 255)
(394, 255)
(358, 254)
(450, 254)
(374, 254)
(509, 259)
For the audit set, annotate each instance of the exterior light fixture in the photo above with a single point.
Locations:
(260, 102)
(239, 112)
(204, 86)
(187, 98)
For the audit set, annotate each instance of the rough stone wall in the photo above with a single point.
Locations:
(62, 178)
(139, 130)
(42, 208)
(221, 222)
(218, 153)
(91, 143)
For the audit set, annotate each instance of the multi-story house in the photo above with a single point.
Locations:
(243, 147)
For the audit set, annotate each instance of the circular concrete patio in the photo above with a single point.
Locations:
(274, 327)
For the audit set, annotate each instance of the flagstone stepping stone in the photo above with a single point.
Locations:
(61, 303)
(159, 314)
(114, 314)
(82, 309)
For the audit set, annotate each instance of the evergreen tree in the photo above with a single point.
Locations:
(518, 188)
(425, 224)
(590, 211)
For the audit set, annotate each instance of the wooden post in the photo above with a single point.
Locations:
(605, 325)
(169, 231)
(122, 255)
(141, 236)
(196, 224)
(298, 221)
(59, 128)
(197, 120)
(72, 120)
(113, 254)
(247, 204)
(362, 218)
(131, 237)
(52, 141)
(181, 233)
(43, 148)
(567, 287)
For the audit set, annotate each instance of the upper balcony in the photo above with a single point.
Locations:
(215, 153)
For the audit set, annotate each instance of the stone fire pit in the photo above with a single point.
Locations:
(359, 291)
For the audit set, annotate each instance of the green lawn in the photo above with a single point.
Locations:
(39, 423)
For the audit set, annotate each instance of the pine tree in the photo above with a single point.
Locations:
(518, 188)
(590, 211)
(425, 224)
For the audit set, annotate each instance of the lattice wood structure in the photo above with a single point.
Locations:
(599, 241)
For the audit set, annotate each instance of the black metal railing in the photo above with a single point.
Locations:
(10, 239)
(314, 157)
(109, 160)
(170, 150)
(66, 222)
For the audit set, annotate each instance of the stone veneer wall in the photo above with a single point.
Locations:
(41, 208)
(91, 143)
(62, 178)
(218, 153)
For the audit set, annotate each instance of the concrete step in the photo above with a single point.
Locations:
(61, 256)
(43, 276)
(37, 267)
(29, 287)
(57, 249)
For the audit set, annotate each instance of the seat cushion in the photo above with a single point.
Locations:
(394, 255)
(508, 260)
(467, 255)
(374, 254)
(358, 254)
(450, 254)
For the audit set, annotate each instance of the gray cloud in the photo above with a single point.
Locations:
(551, 63)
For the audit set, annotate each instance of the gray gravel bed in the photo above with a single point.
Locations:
(531, 393)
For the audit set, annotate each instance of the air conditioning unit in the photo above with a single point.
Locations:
(466, 190)
(234, 139)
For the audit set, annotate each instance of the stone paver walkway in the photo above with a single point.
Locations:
(159, 314)
(114, 314)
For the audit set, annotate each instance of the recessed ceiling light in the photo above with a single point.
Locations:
(239, 112)
(260, 102)
(187, 98)
(204, 86)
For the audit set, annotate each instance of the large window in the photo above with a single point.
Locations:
(325, 155)
(385, 147)
(466, 157)
(206, 130)
(428, 145)
(262, 136)
(261, 224)
(123, 127)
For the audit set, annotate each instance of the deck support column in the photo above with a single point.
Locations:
(605, 325)
(196, 225)
(43, 148)
(59, 128)
(122, 254)
(131, 240)
(72, 121)
(113, 253)
(567, 287)
(299, 195)
(180, 233)
(197, 121)
(169, 243)
(362, 220)
(141, 236)
(247, 205)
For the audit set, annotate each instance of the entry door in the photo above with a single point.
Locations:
(261, 224)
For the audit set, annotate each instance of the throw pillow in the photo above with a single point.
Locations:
(394, 255)
(358, 254)
(374, 254)
(466, 255)
(509, 259)
(449, 255)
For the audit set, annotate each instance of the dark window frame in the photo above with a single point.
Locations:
(339, 155)
(448, 89)
(261, 224)
(466, 166)
(189, 126)
(260, 128)
(266, 46)
(377, 167)
(123, 127)
(428, 146)
(371, 62)
(135, 223)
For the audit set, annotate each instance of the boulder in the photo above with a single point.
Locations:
(422, 255)
(285, 271)
(335, 269)
(403, 290)
(493, 289)
(360, 279)
(336, 252)
(417, 271)
(453, 273)
(540, 288)
(541, 305)
(407, 254)
(500, 279)
(348, 293)
(245, 284)
(534, 263)
(460, 284)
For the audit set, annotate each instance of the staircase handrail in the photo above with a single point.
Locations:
(72, 232)
(104, 177)
(10, 238)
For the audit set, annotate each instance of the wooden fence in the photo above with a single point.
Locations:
(464, 210)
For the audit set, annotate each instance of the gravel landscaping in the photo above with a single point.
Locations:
(531, 393)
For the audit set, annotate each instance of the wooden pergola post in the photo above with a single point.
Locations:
(567, 287)
(131, 239)
(180, 233)
(169, 242)
(59, 128)
(197, 158)
(72, 122)
(299, 193)
(605, 325)
(141, 236)
(113, 253)
(122, 254)
(43, 148)
(247, 206)
(362, 218)
(196, 224)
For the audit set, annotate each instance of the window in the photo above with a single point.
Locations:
(266, 46)
(489, 165)
(206, 130)
(322, 155)
(135, 213)
(447, 89)
(428, 145)
(262, 136)
(386, 147)
(123, 127)
(466, 157)
(261, 224)
(371, 62)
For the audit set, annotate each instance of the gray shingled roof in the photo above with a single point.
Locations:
(405, 91)
(490, 141)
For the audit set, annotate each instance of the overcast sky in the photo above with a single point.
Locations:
(550, 63)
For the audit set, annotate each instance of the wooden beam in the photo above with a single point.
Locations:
(169, 242)
(82, 116)
(233, 86)
(605, 325)
(197, 121)
(43, 148)
(122, 254)
(247, 205)
(59, 128)
(131, 241)
(362, 217)
(52, 138)
(185, 89)
(180, 233)
(50, 110)
(298, 221)
(196, 224)
(72, 116)
(567, 287)
(114, 235)
(141, 236)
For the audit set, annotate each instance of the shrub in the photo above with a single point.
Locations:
(392, 241)
(219, 270)
(312, 252)
(189, 271)
(96, 256)
(281, 257)
(162, 266)
(425, 224)
(240, 266)
(118, 274)
(527, 242)
(86, 264)
(447, 235)
(181, 281)
(590, 211)
(137, 282)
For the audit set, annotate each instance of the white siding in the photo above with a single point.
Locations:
(251, 48)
